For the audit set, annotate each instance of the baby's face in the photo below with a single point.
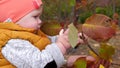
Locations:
(31, 20)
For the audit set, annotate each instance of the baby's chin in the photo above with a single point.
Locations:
(37, 28)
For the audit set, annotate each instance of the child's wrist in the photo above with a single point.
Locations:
(62, 48)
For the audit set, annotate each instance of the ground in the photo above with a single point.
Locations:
(115, 41)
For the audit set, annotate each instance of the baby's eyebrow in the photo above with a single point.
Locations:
(38, 12)
(41, 6)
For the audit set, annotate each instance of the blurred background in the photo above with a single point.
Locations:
(69, 10)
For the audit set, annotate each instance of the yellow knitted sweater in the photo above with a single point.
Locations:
(13, 31)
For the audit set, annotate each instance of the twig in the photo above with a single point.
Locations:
(115, 64)
(86, 42)
(92, 49)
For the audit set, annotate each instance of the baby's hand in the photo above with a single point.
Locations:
(63, 41)
(82, 38)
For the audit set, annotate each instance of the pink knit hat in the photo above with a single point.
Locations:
(13, 10)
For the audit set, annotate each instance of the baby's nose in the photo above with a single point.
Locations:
(39, 21)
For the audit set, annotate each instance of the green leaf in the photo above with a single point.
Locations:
(106, 51)
(72, 2)
(73, 35)
(81, 63)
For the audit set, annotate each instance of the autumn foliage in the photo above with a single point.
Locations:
(99, 27)
(98, 19)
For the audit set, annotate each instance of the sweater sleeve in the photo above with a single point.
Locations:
(23, 54)
(53, 38)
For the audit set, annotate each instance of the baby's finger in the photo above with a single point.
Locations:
(66, 31)
(61, 32)
(90, 58)
(72, 59)
(83, 36)
(80, 41)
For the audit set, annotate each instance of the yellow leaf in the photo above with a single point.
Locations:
(110, 60)
(106, 51)
(73, 35)
(93, 54)
(101, 66)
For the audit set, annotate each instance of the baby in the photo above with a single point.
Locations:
(22, 43)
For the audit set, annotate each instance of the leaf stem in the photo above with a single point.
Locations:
(89, 46)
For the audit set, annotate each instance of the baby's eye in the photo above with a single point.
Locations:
(35, 16)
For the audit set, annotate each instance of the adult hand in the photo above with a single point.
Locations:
(73, 58)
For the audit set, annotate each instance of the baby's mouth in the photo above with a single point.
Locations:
(38, 27)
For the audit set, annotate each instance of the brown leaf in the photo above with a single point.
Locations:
(51, 28)
(98, 27)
